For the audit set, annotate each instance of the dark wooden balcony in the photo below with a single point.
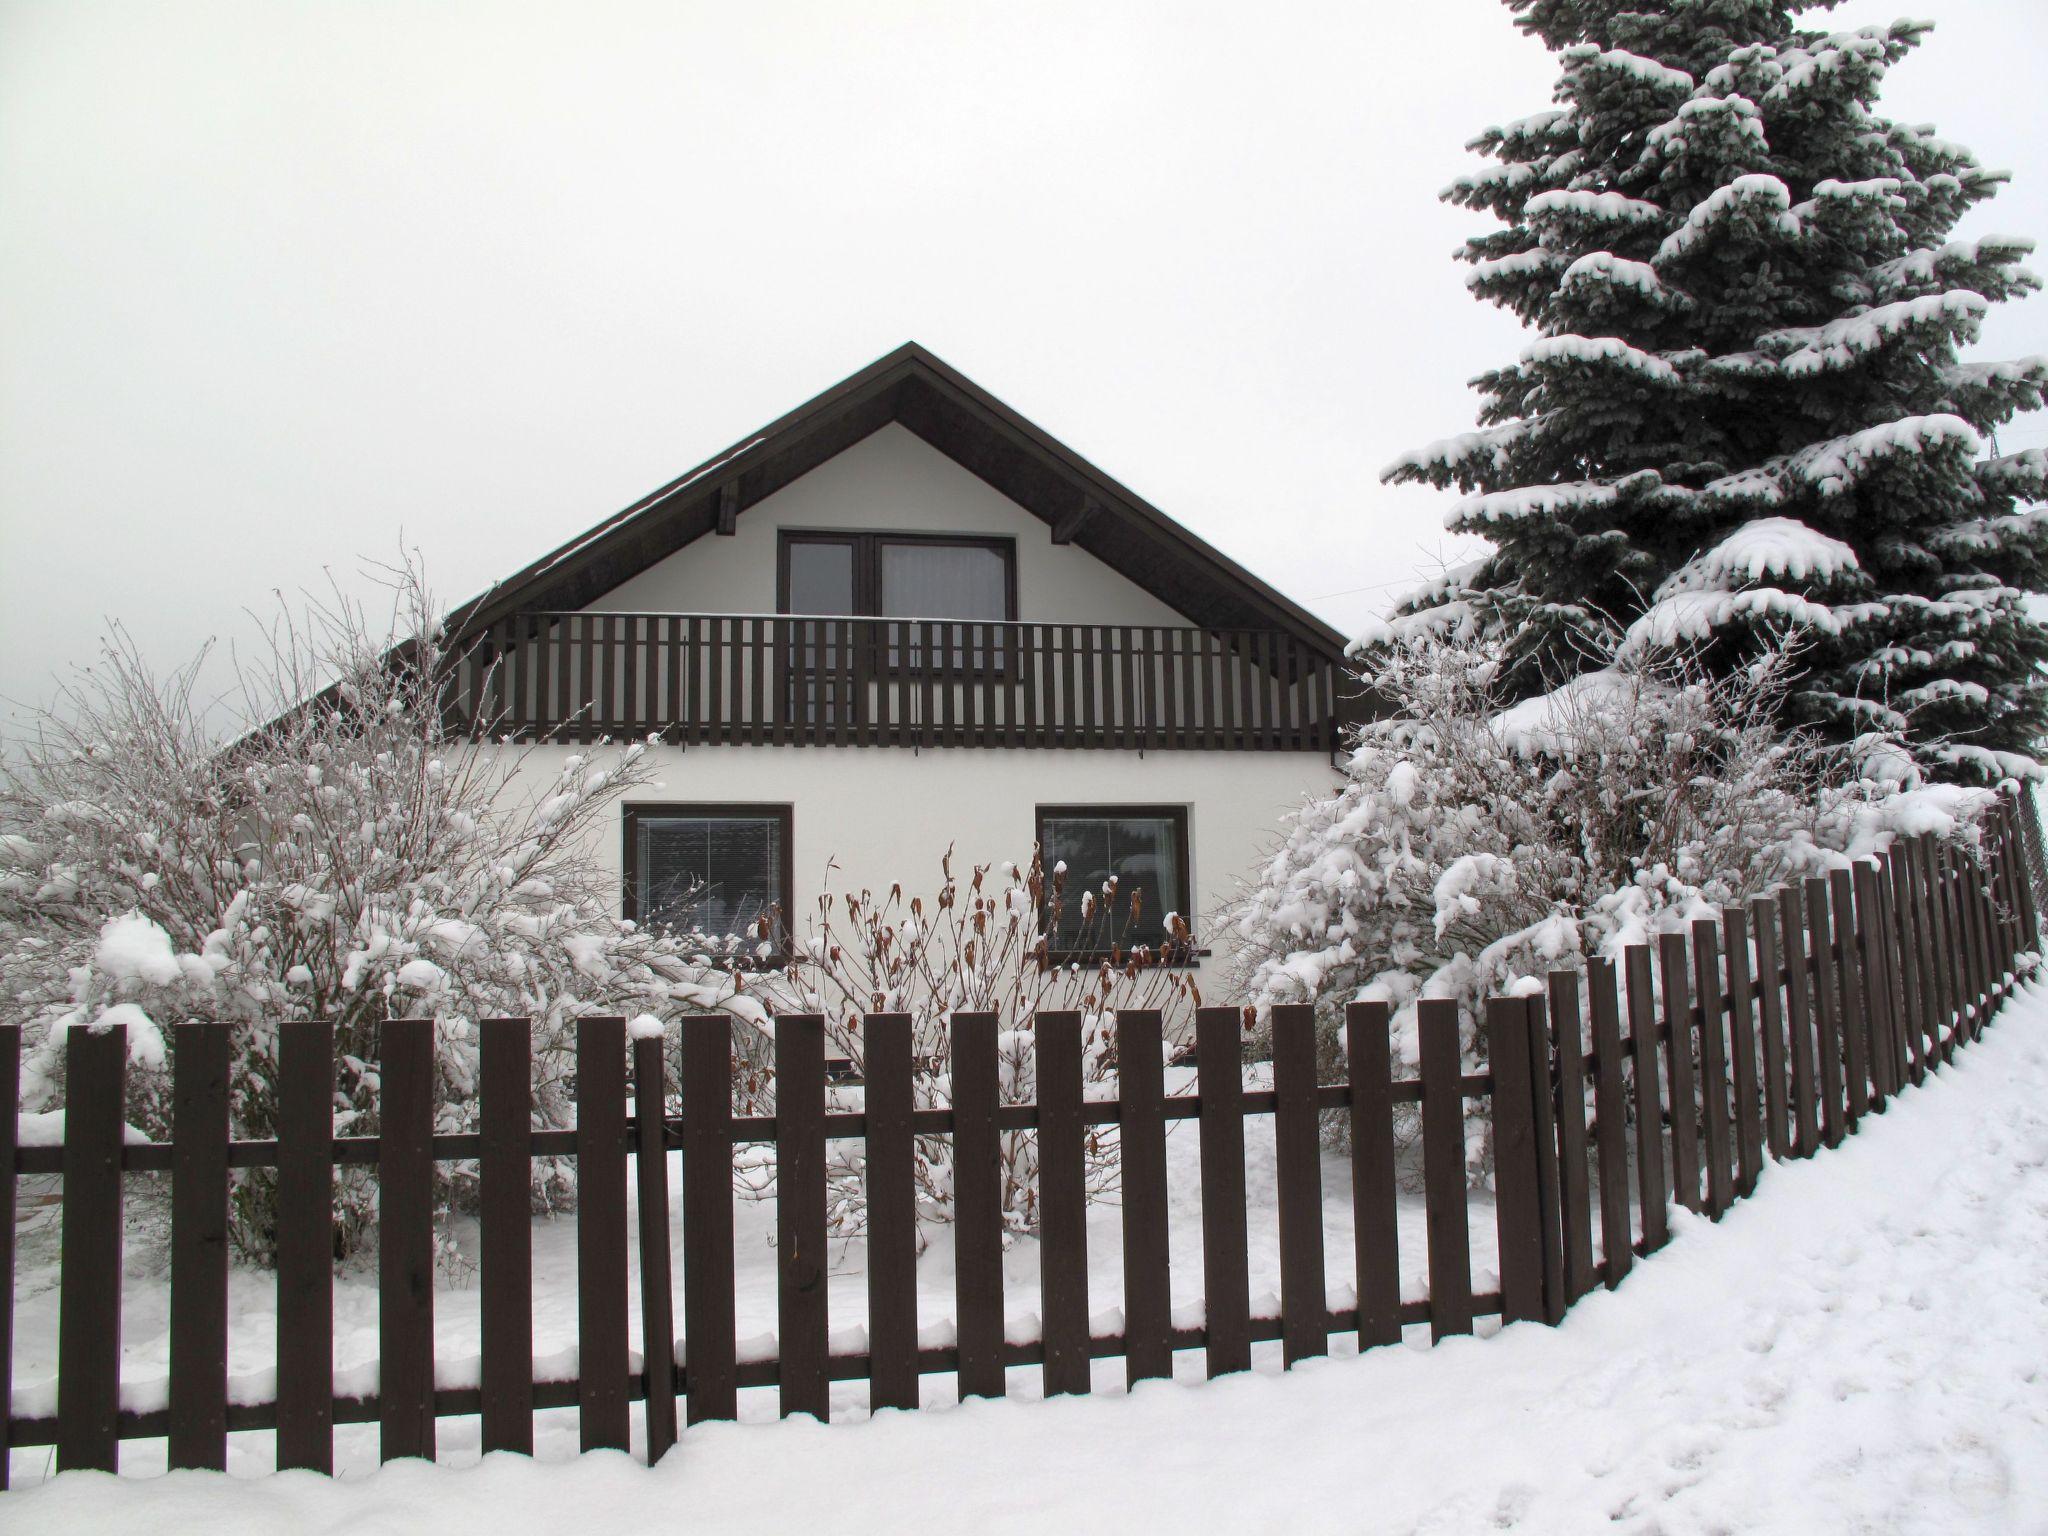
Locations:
(745, 678)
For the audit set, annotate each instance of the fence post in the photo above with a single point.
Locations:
(1443, 1170)
(89, 1314)
(803, 1324)
(1549, 1192)
(1517, 1209)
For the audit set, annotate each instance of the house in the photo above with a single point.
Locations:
(903, 618)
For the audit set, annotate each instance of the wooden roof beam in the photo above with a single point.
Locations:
(1070, 523)
(729, 508)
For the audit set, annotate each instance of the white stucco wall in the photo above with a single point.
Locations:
(864, 817)
(892, 481)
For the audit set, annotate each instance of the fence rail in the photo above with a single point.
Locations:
(1766, 1034)
(795, 680)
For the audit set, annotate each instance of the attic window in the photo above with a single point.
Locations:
(898, 575)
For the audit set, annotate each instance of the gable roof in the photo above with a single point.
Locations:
(966, 423)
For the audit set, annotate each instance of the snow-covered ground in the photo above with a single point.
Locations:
(1862, 1347)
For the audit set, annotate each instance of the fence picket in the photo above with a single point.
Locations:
(1672, 964)
(405, 1240)
(1443, 1171)
(305, 1246)
(1904, 910)
(1642, 1040)
(1771, 1021)
(803, 1322)
(1575, 1203)
(710, 1375)
(89, 1280)
(199, 1248)
(603, 1412)
(1849, 944)
(1517, 1209)
(1226, 1275)
(1543, 1103)
(977, 1205)
(891, 1176)
(1827, 1010)
(657, 1293)
(1063, 1202)
(1742, 1051)
(1713, 1016)
(1374, 1210)
(1798, 1018)
(505, 1215)
(1141, 1140)
(1304, 1306)
(1876, 953)
(1610, 1121)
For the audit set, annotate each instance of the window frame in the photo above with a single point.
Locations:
(1181, 818)
(867, 567)
(781, 812)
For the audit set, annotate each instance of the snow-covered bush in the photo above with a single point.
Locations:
(979, 944)
(1475, 843)
(345, 858)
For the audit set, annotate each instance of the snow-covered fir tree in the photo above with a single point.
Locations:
(1745, 408)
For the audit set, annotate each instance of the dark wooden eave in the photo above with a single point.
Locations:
(1078, 502)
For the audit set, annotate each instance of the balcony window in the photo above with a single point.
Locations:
(1143, 847)
(719, 870)
(902, 576)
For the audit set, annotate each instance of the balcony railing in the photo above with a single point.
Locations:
(743, 678)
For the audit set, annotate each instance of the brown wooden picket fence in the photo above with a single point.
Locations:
(1769, 1032)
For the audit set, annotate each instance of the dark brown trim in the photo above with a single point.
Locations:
(783, 812)
(867, 563)
(1179, 815)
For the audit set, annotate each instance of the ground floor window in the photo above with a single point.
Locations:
(1143, 847)
(720, 870)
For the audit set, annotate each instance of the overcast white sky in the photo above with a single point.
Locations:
(281, 285)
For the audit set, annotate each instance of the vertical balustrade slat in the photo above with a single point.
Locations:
(305, 1246)
(803, 1322)
(1226, 1274)
(1141, 1133)
(1685, 1126)
(1849, 924)
(1713, 1016)
(708, 1311)
(891, 1176)
(657, 1293)
(1085, 716)
(1771, 1023)
(1642, 1039)
(1798, 1019)
(587, 705)
(604, 1413)
(673, 654)
(505, 1214)
(715, 722)
(1827, 1011)
(1742, 1051)
(1374, 1204)
(1443, 1170)
(1211, 658)
(1298, 1156)
(1027, 676)
(758, 717)
(199, 1247)
(1128, 717)
(1188, 662)
(1517, 1214)
(1063, 1202)
(89, 1280)
(977, 1205)
(927, 666)
(1610, 1120)
(10, 1122)
(631, 711)
(1543, 1104)
(1575, 1205)
(405, 1240)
